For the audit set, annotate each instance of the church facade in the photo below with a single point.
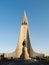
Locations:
(24, 35)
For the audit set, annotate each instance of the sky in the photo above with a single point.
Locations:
(11, 12)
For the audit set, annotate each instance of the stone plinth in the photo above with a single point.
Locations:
(25, 54)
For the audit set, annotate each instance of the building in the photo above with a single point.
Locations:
(24, 35)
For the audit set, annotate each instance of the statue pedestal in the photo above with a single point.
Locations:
(25, 54)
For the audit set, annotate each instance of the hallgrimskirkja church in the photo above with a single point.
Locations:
(24, 48)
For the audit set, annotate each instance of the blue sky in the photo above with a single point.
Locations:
(11, 12)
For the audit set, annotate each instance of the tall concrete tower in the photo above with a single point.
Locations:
(24, 35)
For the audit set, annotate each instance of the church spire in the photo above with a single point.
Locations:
(24, 19)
